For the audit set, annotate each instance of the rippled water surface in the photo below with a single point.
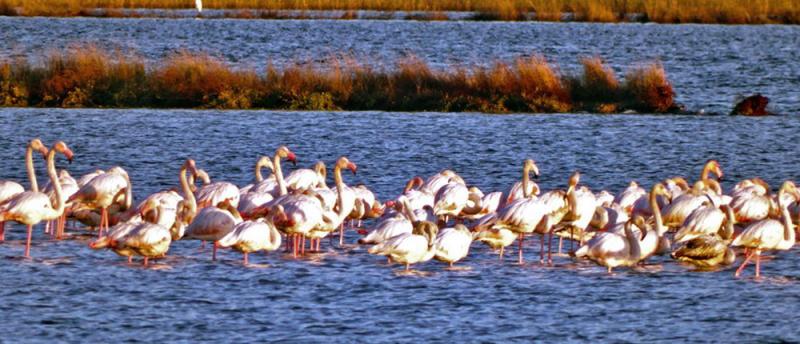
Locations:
(709, 64)
(69, 293)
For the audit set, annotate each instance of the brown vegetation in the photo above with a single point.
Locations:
(661, 11)
(89, 77)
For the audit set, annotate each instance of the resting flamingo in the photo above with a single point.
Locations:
(768, 234)
(213, 223)
(452, 244)
(103, 191)
(31, 207)
(149, 240)
(304, 179)
(410, 248)
(10, 189)
(450, 200)
(252, 236)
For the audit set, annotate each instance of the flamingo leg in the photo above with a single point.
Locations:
(245, 258)
(214, 252)
(502, 248)
(560, 240)
(28, 242)
(2, 231)
(521, 238)
(741, 267)
(130, 259)
(287, 244)
(145, 261)
(341, 235)
(408, 267)
(550, 247)
(541, 250)
(571, 239)
(62, 223)
(758, 263)
(294, 245)
(303, 245)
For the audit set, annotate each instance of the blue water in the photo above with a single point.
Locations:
(68, 292)
(709, 65)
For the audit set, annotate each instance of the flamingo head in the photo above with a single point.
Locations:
(284, 152)
(190, 165)
(659, 189)
(62, 148)
(37, 145)
(712, 166)
(530, 165)
(574, 179)
(344, 162)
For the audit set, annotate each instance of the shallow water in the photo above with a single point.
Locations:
(68, 292)
(709, 65)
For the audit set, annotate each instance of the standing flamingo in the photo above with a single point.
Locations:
(31, 207)
(252, 236)
(9, 189)
(103, 191)
(769, 234)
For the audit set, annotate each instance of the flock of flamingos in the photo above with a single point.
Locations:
(435, 218)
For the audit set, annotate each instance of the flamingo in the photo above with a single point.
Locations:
(706, 220)
(525, 186)
(680, 208)
(418, 196)
(751, 201)
(452, 244)
(31, 207)
(344, 196)
(450, 200)
(149, 240)
(297, 215)
(480, 205)
(260, 196)
(217, 192)
(706, 247)
(439, 180)
(69, 186)
(612, 249)
(366, 205)
(768, 234)
(628, 197)
(10, 189)
(213, 223)
(389, 227)
(263, 161)
(103, 191)
(304, 178)
(410, 248)
(252, 236)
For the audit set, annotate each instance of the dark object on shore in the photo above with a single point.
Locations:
(755, 105)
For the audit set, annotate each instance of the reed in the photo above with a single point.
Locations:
(661, 11)
(89, 77)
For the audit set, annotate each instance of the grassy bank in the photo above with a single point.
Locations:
(660, 11)
(93, 78)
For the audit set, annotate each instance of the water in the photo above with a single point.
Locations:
(709, 65)
(69, 293)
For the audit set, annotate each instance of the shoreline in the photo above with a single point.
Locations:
(562, 11)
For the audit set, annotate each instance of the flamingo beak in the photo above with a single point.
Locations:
(68, 154)
(293, 158)
(43, 150)
(352, 167)
(390, 204)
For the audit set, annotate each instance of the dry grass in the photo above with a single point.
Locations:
(661, 11)
(88, 77)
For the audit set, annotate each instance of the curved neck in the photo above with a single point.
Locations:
(705, 172)
(727, 231)
(51, 171)
(337, 178)
(31, 171)
(323, 174)
(788, 228)
(408, 211)
(259, 177)
(634, 250)
(660, 228)
(525, 181)
(188, 196)
(276, 163)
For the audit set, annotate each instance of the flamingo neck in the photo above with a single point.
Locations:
(276, 163)
(660, 228)
(727, 231)
(525, 181)
(188, 196)
(337, 179)
(634, 250)
(259, 177)
(51, 171)
(128, 192)
(31, 171)
(788, 228)
(408, 211)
